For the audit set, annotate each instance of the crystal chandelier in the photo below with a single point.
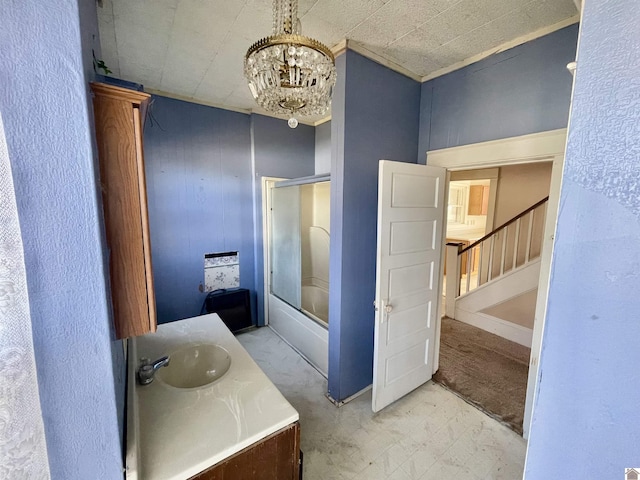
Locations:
(288, 73)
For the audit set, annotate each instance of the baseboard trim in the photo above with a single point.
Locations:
(516, 333)
(348, 399)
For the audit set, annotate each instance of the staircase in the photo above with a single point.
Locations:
(503, 270)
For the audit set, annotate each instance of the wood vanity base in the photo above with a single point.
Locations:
(276, 457)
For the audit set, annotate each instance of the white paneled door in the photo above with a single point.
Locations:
(410, 237)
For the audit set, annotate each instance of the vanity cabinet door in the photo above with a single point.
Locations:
(276, 457)
(118, 121)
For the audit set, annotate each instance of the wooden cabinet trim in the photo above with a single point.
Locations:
(275, 457)
(119, 93)
(144, 214)
(118, 122)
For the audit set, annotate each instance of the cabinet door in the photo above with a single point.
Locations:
(276, 457)
(119, 140)
(478, 200)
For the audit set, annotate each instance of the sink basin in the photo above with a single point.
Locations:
(195, 366)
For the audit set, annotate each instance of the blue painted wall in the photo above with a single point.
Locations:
(585, 417)
(198, 166)
(522, 90)
(338, 118)
(323, 148)
(375, 116)
(45, 105)
(282, 152)
(201, 181)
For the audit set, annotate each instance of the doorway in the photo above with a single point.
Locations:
(471, 202)
(486, 335)
(534, 148)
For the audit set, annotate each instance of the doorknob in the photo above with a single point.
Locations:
(387, 308)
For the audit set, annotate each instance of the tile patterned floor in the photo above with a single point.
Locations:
(430, 434)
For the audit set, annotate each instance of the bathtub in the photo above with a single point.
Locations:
(315, 303)
(305, 332)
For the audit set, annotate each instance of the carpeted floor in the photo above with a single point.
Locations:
(487, 371)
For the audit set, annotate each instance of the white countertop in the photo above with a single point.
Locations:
(180, 433)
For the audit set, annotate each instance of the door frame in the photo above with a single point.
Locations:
(538, 147)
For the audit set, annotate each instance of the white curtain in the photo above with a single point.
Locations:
(23, 450)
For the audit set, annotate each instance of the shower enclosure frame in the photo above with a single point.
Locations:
(308, 337)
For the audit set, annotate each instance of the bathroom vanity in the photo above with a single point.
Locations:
(237, 426)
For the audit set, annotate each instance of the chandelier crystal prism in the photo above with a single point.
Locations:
(288, 73)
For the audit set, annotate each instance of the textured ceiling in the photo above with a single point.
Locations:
(194, 49)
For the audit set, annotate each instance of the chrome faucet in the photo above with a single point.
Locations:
(147, 369)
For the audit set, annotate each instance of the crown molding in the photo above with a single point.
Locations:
(322, 120)
(348, 44)
(354, 46)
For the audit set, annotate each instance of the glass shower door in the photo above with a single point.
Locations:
(286, 265)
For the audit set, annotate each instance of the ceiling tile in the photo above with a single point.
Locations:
(187, 60)
(417, 41)
(178, 82)
(420, 63)
(415, 52)
(241, 98)
(497, 8)
(548, 12)
(132, 70)
(141, 51)
(486, 37)
(254, 20)
(213, 94)
(322, 31)
(394, 20)
(207, 18)
(220, 82)
(463, 17)
(230, 57)
(466, 46)
(151, 14)
(343, 18)
(438, 31)
(304, 6)
(374, 36)
(505, 28)
(411, 12)
(445, 55)
(223, 75)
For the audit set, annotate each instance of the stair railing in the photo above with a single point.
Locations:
(510, 246)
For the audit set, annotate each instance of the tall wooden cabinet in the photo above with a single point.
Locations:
(119, 115)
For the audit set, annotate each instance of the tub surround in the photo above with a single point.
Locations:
(315, 303)
(301, 318)
(308, 337)
(179, 433)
